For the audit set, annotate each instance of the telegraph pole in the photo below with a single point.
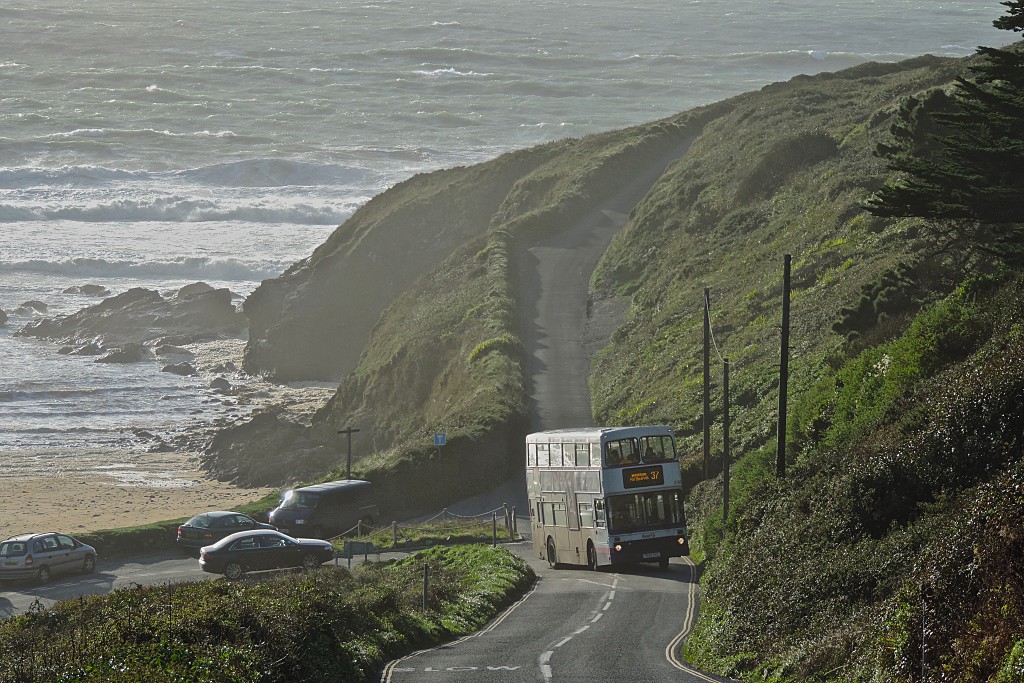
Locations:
(349, 431)
(725, 437)
(707, 383)
(780, 454)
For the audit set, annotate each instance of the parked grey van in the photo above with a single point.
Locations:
(324, 510)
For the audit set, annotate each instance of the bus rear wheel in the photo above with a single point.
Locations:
(591, 557)
(552, 558)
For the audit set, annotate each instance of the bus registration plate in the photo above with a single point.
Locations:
(651, 556)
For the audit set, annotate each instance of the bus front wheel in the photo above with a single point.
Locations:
(552, 558)
(591, 557)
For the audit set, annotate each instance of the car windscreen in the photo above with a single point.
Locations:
(299, 499)
(13, 548)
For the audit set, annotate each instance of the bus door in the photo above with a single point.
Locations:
(576, 541)
(556, 523)
(537, 525)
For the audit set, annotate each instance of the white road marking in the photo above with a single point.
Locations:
(688, 622)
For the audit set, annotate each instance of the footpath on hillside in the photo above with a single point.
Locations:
(560, 326)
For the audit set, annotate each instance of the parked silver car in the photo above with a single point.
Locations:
(41, 556)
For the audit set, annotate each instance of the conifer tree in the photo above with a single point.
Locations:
(960, 159)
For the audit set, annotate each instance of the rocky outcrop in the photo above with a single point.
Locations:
(183, 369)
(88, 290)
(143, 317)
(33, 306)
(270, 449)
(129, 353)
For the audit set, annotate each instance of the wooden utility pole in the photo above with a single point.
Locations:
(725, 437)
(780, 455)
(349, 431)
(707, 383)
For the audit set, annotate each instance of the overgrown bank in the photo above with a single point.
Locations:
(333, 624)
(900, 519)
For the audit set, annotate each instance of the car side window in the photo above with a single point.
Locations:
(242, 520)
(50, 543)
(66, 543)
(37, 546)
(248, 543)
(272, 542)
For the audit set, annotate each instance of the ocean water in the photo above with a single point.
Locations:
(157, 144)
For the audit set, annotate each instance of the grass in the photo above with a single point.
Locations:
(440, 532)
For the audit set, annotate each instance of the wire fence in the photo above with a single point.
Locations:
(444, 528)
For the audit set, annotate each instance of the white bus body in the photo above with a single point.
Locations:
(605, 495)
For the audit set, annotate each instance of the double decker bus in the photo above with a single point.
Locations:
(605, 495)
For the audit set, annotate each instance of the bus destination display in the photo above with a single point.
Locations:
(635, 477)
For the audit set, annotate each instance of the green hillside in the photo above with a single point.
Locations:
(893, 546)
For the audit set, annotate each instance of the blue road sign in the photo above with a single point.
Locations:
(439, 439)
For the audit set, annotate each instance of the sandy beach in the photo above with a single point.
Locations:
(81, 490)
(72, 489)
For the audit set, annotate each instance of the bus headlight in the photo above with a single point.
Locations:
(681, 541)
(618, 547)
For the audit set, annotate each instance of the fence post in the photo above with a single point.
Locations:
(494, 529)
(508, 519)
(394, 534)
(359, 529)
(515, 524)
(426, 584)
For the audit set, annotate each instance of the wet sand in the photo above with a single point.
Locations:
(76, 490)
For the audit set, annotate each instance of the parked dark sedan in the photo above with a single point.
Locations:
(210, 527)
(260, 549)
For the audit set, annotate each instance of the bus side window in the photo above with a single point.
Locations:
(543, 459)
(531, 455)
(582, 455)
(561, 516)
(548, 514)
(599, 521)
(595, 455)
(586, 516)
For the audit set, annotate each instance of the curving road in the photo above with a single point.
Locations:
(575, 625)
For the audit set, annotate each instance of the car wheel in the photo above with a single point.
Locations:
(591, 557)
(552, 558)
(43, 575)
(89, 565)
(310, 562)
(233, 571)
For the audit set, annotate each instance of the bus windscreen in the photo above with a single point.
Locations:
(641, 511)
